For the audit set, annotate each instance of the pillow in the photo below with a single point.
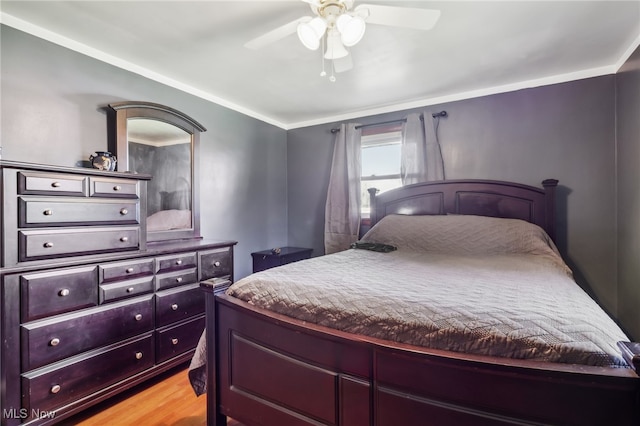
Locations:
(165, 220)
(461, 234)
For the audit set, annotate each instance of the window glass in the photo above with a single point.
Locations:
(381, 185)
(380, 161)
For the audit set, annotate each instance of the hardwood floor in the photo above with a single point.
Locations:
(167, 400)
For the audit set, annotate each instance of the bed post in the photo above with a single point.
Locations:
(212, 288)
(372, 203)
(550, 206)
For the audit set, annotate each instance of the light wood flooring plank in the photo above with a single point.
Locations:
(167, 400)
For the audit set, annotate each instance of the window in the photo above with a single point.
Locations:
(380, 161)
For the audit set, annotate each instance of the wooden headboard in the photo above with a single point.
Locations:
(473, 197)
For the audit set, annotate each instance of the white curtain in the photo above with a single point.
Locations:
(421, 159)
(342, 211)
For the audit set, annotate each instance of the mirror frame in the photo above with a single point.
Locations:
(118, 114)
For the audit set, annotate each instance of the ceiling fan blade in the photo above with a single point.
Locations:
(276, 34)
(406, 17)
(343, 64)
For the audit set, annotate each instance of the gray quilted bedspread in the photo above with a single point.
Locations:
(522, 305)
(469, 284)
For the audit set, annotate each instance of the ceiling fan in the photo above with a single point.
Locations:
(338, 25)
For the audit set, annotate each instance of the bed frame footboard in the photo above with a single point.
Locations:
(273, 370)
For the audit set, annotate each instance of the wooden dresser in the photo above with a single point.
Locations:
(88, 308)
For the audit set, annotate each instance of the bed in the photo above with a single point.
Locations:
(454, 309)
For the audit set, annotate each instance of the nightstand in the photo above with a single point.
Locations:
(266, 259)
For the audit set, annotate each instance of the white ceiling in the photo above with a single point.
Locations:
(476, 48)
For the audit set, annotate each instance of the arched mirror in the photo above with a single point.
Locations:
(162, 142)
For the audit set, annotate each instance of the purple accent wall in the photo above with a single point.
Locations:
(628, 185)
(564, 131)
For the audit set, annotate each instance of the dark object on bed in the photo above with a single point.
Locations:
(379, 247)
(271, 369)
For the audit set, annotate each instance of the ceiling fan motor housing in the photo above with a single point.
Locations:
(330, 9)
(338, 25)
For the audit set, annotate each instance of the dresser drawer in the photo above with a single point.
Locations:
(58, 291)
(173, 341)
(38, 183)
(175, 262)
(215, 263)
(54, 386)
(124, 270)
(174, 279)
(51, 212)
(113, 188)
(53, 339)
(33, 245)
(179, 304)
(123, 289)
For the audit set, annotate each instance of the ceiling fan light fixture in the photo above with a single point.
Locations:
(351, 29)
(335, 48)
(311, 32)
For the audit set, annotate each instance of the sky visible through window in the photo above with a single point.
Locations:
(380, 165)
(381, 160)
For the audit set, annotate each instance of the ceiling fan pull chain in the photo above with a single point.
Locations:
(323, 73)
(332, 78)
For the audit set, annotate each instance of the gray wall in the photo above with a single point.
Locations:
(628, 175)
(51, 113)
(564, 131)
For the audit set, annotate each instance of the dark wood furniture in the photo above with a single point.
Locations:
(164, 142)
(269, 369)
(266, 259)
(88, 307)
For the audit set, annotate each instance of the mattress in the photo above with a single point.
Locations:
(476, 285)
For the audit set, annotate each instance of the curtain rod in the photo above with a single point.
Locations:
(402, 120)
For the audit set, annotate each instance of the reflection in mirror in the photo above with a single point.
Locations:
(156, 140)
(163, 151)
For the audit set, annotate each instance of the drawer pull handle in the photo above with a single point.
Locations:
(138, 317)
(47, 212)
(117, 188)
(124, 239)
(56, 184)
(179, 262)
(174, 307)
(54, 342)
(64, 292)
(48, 244)
(216, 263)
(129, 270)
(179, 279)
(130, 290)
(138, 355)
(124, 211)
(174, 341)
(55, 388)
